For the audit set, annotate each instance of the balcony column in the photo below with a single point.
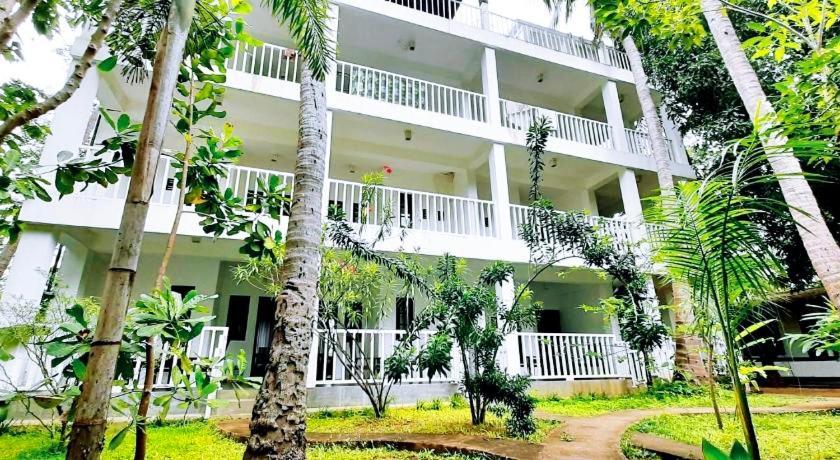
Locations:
(612, 107)
(490, 86)
(499, 191)
(70, 120)
(508, 357)
(327, 155)
(674, 138)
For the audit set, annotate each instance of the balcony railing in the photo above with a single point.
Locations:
(410, 209)
(520, 117)
(268, 60)
(639, 143)
(392, 88)
(472, 16)
(618, 230)
(555, 356)
(345, 352)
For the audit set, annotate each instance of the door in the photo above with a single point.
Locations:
(264, 332)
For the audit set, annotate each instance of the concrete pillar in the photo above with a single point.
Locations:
(26, 280)
(70, 120)
(612, 107)
(490, 86)
(508, 357)
(499, 191)
(327, 157)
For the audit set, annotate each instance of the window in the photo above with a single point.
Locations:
(237, 316)
(405, 313)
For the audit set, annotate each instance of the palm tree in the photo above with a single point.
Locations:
(686, 356)
(820, 245)
(705, 238)
(88, 434)
(278, 422)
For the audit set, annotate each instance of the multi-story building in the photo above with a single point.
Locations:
(440, 91)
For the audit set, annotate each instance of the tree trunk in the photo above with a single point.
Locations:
(12, 20)
(87, 437)
(73, 81)
(149, 380)
(820, 245)
(686, 347)
(7, 254)
(278, 423)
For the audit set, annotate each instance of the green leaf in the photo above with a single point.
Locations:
(108, 64)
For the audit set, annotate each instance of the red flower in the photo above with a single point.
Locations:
(388, 170)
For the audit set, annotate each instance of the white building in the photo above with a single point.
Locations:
(442, 92)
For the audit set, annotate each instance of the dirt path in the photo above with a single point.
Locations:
(587, 438)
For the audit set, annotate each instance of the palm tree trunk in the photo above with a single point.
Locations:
(73, 81)
(7, 254)
(820, 245)
(12, 20)
(87, 437)
(687, 348)
(278, 423)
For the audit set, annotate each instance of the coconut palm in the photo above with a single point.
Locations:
(820, 245)
(278, 422)
(88, 434)
(705, 238)
(686, 355)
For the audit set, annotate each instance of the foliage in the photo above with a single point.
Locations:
(824, 332)
(793, 435)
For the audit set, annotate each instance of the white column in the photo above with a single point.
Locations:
(499, 191)
(612, 107)
(490, 86)
(674, 138)
(70, 120)
(508, 357)
(332, 24)
(29, 270)
(327, 157)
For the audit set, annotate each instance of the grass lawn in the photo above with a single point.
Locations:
(583, 406)
(436, 418)
(781, 436)
(191, 441)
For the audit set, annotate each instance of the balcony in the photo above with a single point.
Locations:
(478, 18)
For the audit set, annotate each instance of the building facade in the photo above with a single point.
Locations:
(441, 92)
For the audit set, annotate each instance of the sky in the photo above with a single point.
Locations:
(46, 60)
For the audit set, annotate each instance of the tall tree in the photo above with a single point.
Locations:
(687, 356)
(278, 422)
(820, 245)
(87, 437)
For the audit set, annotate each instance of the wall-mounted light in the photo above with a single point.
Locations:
(408, 134)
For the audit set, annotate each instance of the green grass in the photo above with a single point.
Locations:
(436, 419)
(585, 406)
(781, 436)
(190, 441)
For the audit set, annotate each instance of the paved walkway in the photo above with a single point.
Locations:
(595, 437)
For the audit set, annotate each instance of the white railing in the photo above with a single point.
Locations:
(210, 344)
(472, 16)
(241, 179)
(270, 61)
(362, 352)
(554, 356)
(520, 117)
(392, 88)
(410, 209)
(639, 143)
(454, 10)
(619, 231)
